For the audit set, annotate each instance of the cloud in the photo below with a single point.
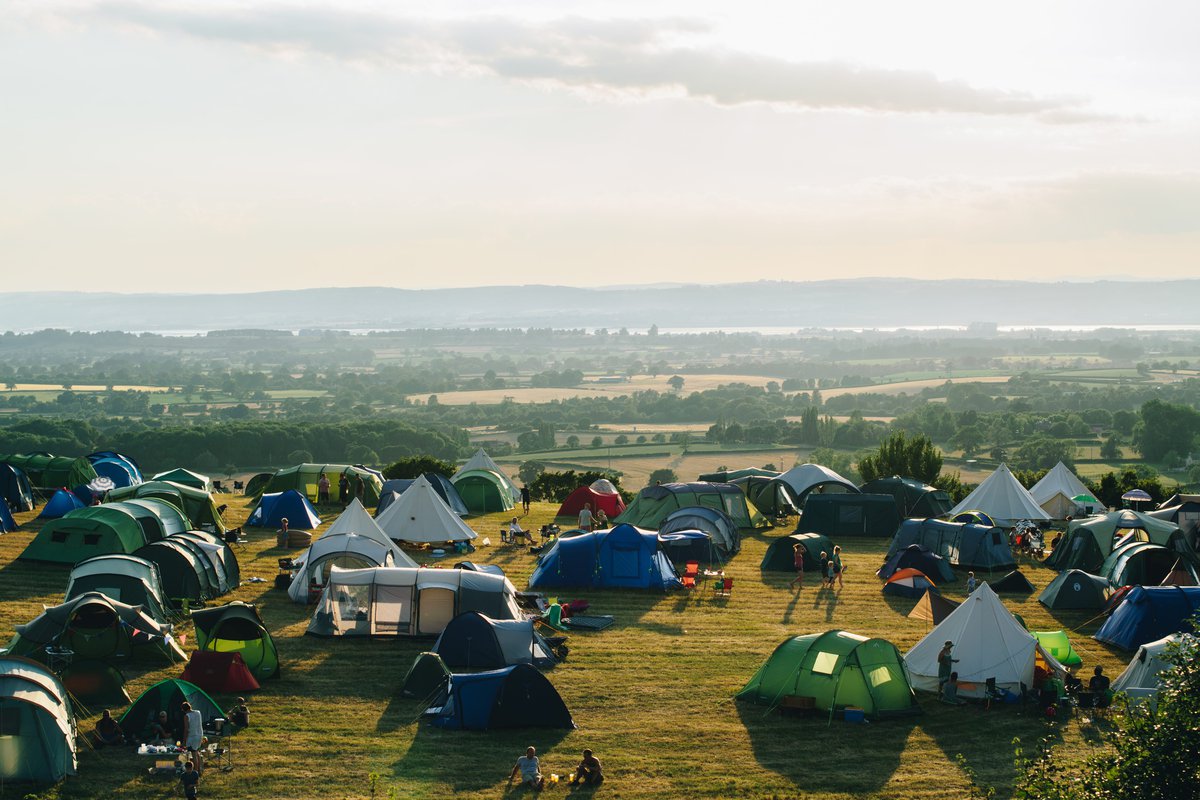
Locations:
(632, 58)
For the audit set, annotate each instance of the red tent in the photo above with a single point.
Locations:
(219, 672)
(601, 494)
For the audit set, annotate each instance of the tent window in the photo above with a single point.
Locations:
(91, 539)
(10, 722)
(58, 536)
(825, 663)
(995, 537)
(879, 676)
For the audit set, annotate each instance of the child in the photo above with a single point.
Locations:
(830, 572)
(970, 582)
(798, 554)
(190, 780)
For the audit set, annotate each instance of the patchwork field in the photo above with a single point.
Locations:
(651, 695)
(638, 383)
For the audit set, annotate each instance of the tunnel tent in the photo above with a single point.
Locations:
(208, 556)
(169, 696)
(237, 628)
(217, 547)
(1141, 678)
(185, 477)
(1057, 490)
(127, 579)
(932, 607)
(395, 487)
(421, 516)
(1002, 497)
(49, 472)
(185, 579)
(306, 478)
(964, 545)
(1138, 563)
(1148, 613)
(274, 507)
(475, 641)
(914, 498)
(804, 479)
(426, 678)
(120, 469)
(86, 532)
(623, 557)
(157, 518)
(480, 460)
(95, 683)
(512, 697)
(1076, 589)
(919, 558)
(601, 495)
(780, 555)
(196, 504)
(972, 516)
(94, 626)
(846, 514)
(61, 503)
(1088, 542)
(15, 488)
(654, 504)
(715, 522)
(838, 670)
(35, 704)
(342, 550)
(1057, 644)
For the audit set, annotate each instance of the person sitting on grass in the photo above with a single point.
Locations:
(950, 691)
(589, 770)
(529, 768)
(239, 715)
(190, 780)
(1098, 686)
(108, 731)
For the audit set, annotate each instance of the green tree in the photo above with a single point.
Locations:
(597, 442)
(361, 454)
(899, 455)
(675, 382)
(1164, 427)
(1111, 448)
(413, 466)
(300, 457)
(662, 475)
(839, 461)
(572, 441)
(621, 439)
(1043, 452)
(529, 471)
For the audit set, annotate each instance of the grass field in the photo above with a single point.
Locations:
(638, 383)
(652, 697)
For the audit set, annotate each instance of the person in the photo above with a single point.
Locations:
(515, 532)
(193, 730)
(529, 769)
(525, 499)
(1098, 686)
(159, 729)
(281, 535)
(360, 487)
(585, 517)
(239, 715)
(344, 489)
(830, 573)
(950, 691)
(970, 582)
(1054, 542)
(824, 562)
(838, 567)
(108, 731)
(601, 519)
(945, 664)
(190, 780)
(323, 489)
(798, 554)
(589, 770)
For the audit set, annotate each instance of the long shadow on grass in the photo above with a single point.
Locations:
(845, 749)
(21, 580)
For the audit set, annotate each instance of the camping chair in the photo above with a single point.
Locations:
(233, 538)
(991, 692)
(723, 587)
(690, 574)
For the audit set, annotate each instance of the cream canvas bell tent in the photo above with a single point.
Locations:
(1002, 497)
(1056, 491)
(420, 515)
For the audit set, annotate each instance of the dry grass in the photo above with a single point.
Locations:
(910, 387)
(652, 696)
(638, 383)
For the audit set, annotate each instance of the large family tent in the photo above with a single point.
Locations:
(968, 546)
(988, 643)
(168, 696)
(421, 516)
(623, 557)
(219, 672)
(275, 507)
(716, 523)
(513, 697)
(48, 472)
(768, 494)
(237, 628)
(1149, 613)
(127, 579)
(197, 504)
(1145, 564)
(804, 479)
(932, 607)
(840, 515)
(400, 601)
(909, 582)
(193, 566)
(601, 495)
(94, 626)
(86, 532)
(683, 547)
(1090, 541)
(476, 641)
(654, 504)
(1076, 589)
(1057, 644)
(1002, 497)
(121, 469)
(920, 558)
(838, 669)
(913, 498)
(157, 518)
(61, 503)
(185, 477)
(342, 550)
(427, 678)
(218, 554)
(482, 462)
(95, 683)
(781, 554)
(1057, 490)
(257, 483)
(1140, 679)
(441, 484)
(1184, 511)
(37, 737)
(15, 489)
(732, 475)
(306, 479)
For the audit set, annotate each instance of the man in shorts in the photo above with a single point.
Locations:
(529, 768)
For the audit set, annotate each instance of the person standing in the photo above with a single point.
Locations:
(946, 664)
(360, 487)
(193, 731)
(344, 489)
(190, 780)
(525, 499)
(585, 517)
(971, 583)
(838, 567)
(323, 489)
(798, 554)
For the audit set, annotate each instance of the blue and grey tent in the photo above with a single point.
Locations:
(476, 641)
(1150, 613)
(716, 523)
(919, 558)
(968, 546)
(624, 557)
(15, 488)
(61, 504)
(120, 469)
(273, 508)
(395, 487)
(513, 697)
(684, 546)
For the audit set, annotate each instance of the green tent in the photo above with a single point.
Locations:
(913, 498)
(781, 557)
(158, 518)
(94, 626)
(1076, 589)
(237, 628)
(1090, 541)
(426, 677)
(1144, 564)
(847, 514)
(167, 696)
(837, 669)
(46, 471)
(84, 533)
(185, 477)
(655, 503)
(305, 478)
(37, 740)
(482, 491)
(197, 504)
(1058, 645)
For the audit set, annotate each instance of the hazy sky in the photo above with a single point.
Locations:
(217, 146)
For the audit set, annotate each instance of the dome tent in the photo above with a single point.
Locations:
(683, 547)
(120, 469)
(1145, 564)
(932, 607)
(919, 558)
(601, 494)
(481, 461)
(158, 518)
(426, 678)
(475, 641)
(273, 508)
(15, 488)
(1014, 582)
(61, 503)
(93, 626)
(1149, 613)
(1057, 644)
(655, 503)
(483, 491)
(127, 579)
(1076, 589)
(513, 697)
(34, 703)
(909, 582)
(420, 515)
(716, 523)
(621, 557)
(216, 671)
(168, 696)
(237, 628)
(780, 555)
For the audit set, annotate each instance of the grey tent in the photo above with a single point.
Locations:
(976, 547)
(127, 579)
(1089, 541)
(913, 498)
(1146, 564)
(919, 558)
(1184, 511)
(716, 523)
(37, 740)
(1014, 582)
(780, 555)
(1076, 589)
(840, 515)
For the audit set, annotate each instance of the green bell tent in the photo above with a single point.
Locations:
(305, 479)
(185, 477)
(84, 533)
(837, 669)
(655, 503)
(237, 628)
(482, 491)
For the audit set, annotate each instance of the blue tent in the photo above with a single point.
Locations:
(273, 508)
(61, 503)
(1148, 614)
(7, 523)
(920, 558)
(120, 469)
(15, 488)
(440, 484)
(514, 697)
(623, 557)
(684, 546)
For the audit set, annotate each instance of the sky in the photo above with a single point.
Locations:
(150, 145)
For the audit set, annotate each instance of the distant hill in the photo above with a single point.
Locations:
(885, 302)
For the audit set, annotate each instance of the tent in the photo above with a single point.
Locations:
(237, 628)
(513, 697)
(1056, 491)
(932, 607)
(1014, 582)
(184, 572)
(1184, 511)
(421, 515)
(601, 494)
(729, 476)
(838, 669)
(355, 519)
(989, 643)
(840, 515)
(1090, 541)
(913, 497)
(622, 557)
(216, 552)
(37, 742)
(1145, 564)
(93, 626)
(483, 491)
(127, 579)
(256, 484)
(1076, 589)
(15, 488)
(973, 517)
(47, 472)
(475, 641)
(168, 696)
(655, 503)
(780, 555)
(682, 547)
(440, 483)
(7, 523)
(86, 532)
(1141, 677)
(61, 503)
(121, 469)
(273, 508)
(1149, 613)
(769, 495)
(1058, 645)
(716, 523)
(185, 477)
(219, 672)
(343, 550)
(1002, 497)
(197, 504)
(305, 478)
(400, 601)
(808, 478)
(919, 558)
(482, 461)
(157, 518)
(909, 582)
(95, 684)
(426, 678)
(966, 546)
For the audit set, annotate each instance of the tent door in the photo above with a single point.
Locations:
(435, 609)
(393, 610)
